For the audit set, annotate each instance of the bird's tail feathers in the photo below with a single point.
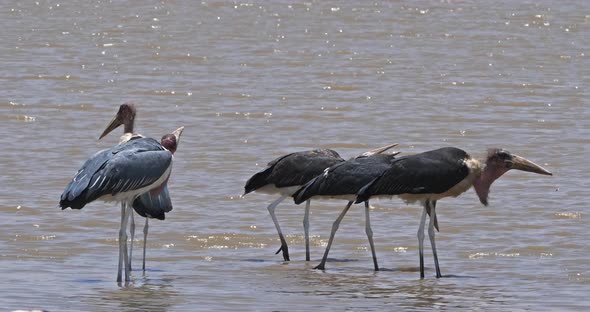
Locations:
(365, 192)
(73, 196)
(305, 192)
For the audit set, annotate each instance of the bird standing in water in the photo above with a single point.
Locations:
(286, 174)
(343, 181)
(446, 172)
(146, 205)
(121, 174)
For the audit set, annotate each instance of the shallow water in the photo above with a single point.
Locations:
(253, 81)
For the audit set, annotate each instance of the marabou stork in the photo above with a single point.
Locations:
(121, 174)
(342, 181)
(146, 205)
(125, 116)
(287, 174)
(445, 172)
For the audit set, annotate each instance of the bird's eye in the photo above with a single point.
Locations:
(509, 164)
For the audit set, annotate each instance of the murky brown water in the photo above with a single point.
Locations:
(252, 81)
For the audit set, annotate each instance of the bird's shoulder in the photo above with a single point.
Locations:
(306, 156)
(363, 165)
(313, 161)
(138, 144)
(428, 172)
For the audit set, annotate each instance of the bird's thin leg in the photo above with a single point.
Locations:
(271, 210)
(421, 239)
(132, 236)
(122, 237)
(431, 236)
(145, 233)
(335, 226)
(306, 229)
(369, 232)
(435, 217)
(128, 211)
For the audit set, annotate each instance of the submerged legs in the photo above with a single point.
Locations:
(335, 226)
(123, 256)
(369, 232)
(306, 229)
(122, 236)
(421, 240)
(271, 210)
(145, 233)
(132, 235)
(431, 235)
(429, 208)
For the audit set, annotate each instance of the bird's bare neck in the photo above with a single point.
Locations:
(484, 181)
(129, 126)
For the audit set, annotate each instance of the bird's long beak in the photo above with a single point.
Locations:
(521, 163)
(116, 122)
(379, 150)
(177, 133)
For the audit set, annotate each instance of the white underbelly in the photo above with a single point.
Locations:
(132, 194)
(349, 197)
(454, 191)
(272, 189)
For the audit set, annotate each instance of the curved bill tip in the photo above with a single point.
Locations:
(521, 163)
(178, 132)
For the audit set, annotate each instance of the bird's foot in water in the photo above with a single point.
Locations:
(285, 250)
(319, 267)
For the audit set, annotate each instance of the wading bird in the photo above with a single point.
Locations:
(342, 181)
(121, 174)
(125, 116)
(146, 205)
(446, 172)
(287, 174)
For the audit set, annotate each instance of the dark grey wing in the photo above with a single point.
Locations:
(315, 186)
(129, 171)
(345, 178)
(71, 197)
(153, 206)
(259, 179)
(126, 167)
(299, 168)
(416, 174)
(293, 169)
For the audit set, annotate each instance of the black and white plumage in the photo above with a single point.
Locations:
(286, 174)
(121, 174)
(445, 172)
(343, 181)
(146, 205)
